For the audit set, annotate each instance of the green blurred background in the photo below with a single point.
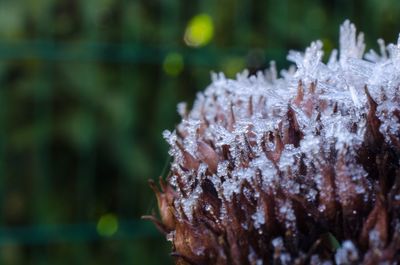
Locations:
(87, 87)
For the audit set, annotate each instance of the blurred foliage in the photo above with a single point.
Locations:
(87, 88)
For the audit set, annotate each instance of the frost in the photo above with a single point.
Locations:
(284, 257)
(346, 254)
(229, 187)
(374, 238)
(182, 109)
(170, 236)
(288, 157)
(192, 126)
(170, 137)
(287, 212)
(351, 45)
(258, 218)
(311, 195)
(190, 202)
(253, 259)
(309, 64)
(277, 242)
(282, 135)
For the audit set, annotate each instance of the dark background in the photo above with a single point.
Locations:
(87, 87)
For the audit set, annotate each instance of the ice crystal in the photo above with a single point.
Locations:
(347, 254)
(276, 156)
(258, 218)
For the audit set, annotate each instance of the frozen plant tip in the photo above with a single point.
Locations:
(300, 169)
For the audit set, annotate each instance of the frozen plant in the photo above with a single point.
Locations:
(301, 169)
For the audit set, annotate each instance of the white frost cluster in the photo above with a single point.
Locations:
(346, 254)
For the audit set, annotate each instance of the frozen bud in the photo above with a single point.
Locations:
(298, 169)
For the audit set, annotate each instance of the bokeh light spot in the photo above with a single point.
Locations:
(199, 31)
(173, 64)
(107, 225)
(233, 65)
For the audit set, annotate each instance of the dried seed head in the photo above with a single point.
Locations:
(303, 169)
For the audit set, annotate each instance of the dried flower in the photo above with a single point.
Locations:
(302, 169)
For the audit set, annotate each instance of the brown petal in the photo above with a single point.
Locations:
(377, 220)
(189, 161)
(208, 156)
(327, 194)
(291, 130)
(165, 199)
(300, 94)
(373, 123)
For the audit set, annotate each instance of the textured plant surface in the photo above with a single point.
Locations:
(301, 169)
